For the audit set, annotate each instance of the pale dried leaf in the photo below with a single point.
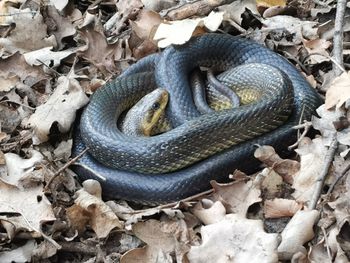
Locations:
(20, 254)
(237, 239)
(47, 57)
(179, 32)
(339, 91)
(237, 196)
(317, 48)
(31, 203)
(209, 214)
(59, 4)
(18, 167)
(312, 154)
(60, 108)
(235, 10)
(279, 207)
(296, 27)
(298, 231)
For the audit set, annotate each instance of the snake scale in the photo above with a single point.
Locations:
(146, 170)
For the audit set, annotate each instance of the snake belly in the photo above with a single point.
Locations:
(171, 68)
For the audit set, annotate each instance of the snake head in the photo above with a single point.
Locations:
(145, 117)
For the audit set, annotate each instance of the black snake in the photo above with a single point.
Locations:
(147, 169)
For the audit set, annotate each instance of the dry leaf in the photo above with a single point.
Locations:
(31, 203)
(270, 3)
(299, 29)
(298, 231)
(146, 24)
(60, 108)
(20, 254)
(339, 91)
(235, 10)
(312, 154)
(237, 196)
(17, 167)
(235, 239)
(97, 51)
(279, 207)
(29, 34)
(179, 32)
(162, 239)
(284, 167)
(47, 57)
(209, 212)
(99, 215)
(317, 48)
(14, 70)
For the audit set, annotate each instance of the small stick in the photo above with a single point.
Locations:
(64, 167)
(327, 163)
(169, 205)
(306, 126)
(338, 35)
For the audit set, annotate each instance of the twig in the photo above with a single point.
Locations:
(327, 163)
(338, 36)
(190, 198)
(18, 103)
(306, 126)
(341, 68)
(342, 174)
(327, 243)
(64, 167)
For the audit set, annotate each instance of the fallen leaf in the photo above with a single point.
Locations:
(317, 50)
(47, 57)
(14, 70)
(312, 155)
(339, 91)
(298, 231)
(284, 167)
(29, 34)
(235, 10)
(99, 215)
(20, 254)
(162, 239)
(62, 27)
(235, 239)
(30, 203)
(279, 207)
(237, 196)
(97, 51)
(17, 167)
(209, 212)
(269, 3)
(297, 28)
(179, 32)
(60, 108)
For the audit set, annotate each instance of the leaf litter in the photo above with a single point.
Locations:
(54, 54)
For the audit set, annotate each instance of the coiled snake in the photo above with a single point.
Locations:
(181, 162)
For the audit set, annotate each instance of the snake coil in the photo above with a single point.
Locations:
(171, 69)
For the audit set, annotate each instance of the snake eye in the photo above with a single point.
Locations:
(155, 106)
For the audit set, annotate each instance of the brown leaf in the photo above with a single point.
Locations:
(278, 208)
(14, 69)
(90, 208)
(162, 238)
(29, 34)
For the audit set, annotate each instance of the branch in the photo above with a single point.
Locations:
(338, 36)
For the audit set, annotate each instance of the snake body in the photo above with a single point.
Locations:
(144, 156)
